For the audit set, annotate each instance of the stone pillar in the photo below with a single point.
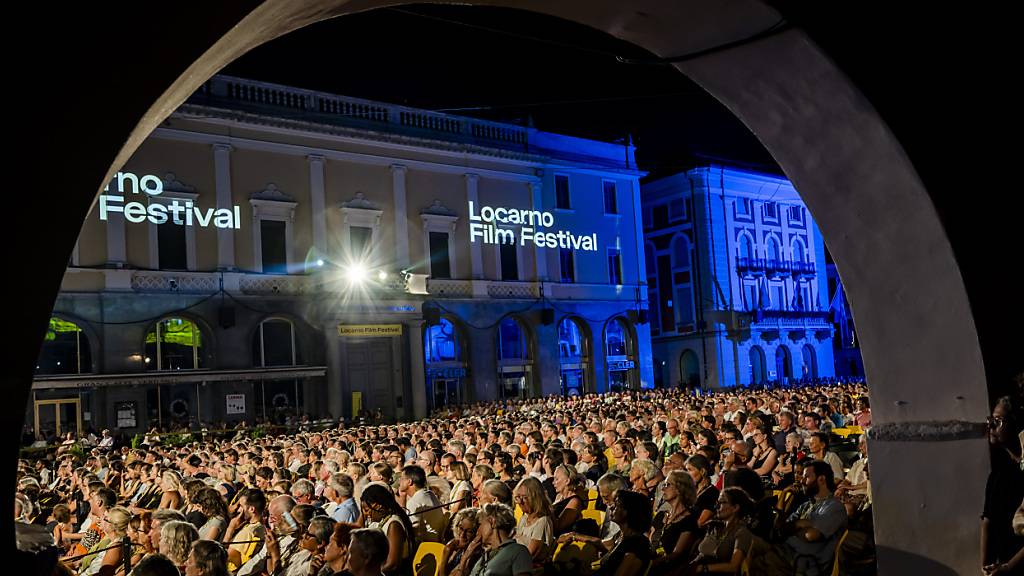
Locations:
(476, 258)
(401, 219)
(317, 203)
(417, 369)
(116, 247)
(540, 254)
(222, 178)
(335, 394)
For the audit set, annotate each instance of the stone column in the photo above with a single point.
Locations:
(398, 172)
(417, 369)
(476, 258)
(540, 254)
(317, 203)
(335, 394)
(222, 177)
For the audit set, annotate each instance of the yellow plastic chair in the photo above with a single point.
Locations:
(421, 566)
(562, 545)
(595, 515)
(839, 546)
(592, 496)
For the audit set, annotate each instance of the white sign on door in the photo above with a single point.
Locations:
(235, 403)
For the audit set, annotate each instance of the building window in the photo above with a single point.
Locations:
(174, 344)
(684, 305)
(509, 261)
(647, 218)
(65, 349)
(611, 205)
(614, 267)
(562, 191)
(772, 250)
(567, 266)
(359, 242)
(660, 216)
(620, 355)
(274, 343)
(172, 246)
(273, 247)
(796, 214)
(770, 211)
(798, 251)
(440, 264)
(677, 210)
(445, 367)
(441, 343)
(746, 248)
(573, 356)
(511, 340)
(680, 253)
(742, 207)
(514, 365)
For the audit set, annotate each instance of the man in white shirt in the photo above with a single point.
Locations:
(428, 520)
(819, 451)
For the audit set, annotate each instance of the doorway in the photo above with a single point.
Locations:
(54, 418)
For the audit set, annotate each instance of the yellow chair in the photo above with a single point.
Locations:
(839, 546)
(425, 549)
(595, 515)
(561, 546)
(592, 497)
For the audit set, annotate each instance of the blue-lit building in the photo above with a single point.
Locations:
(736, 280)
(336, 255)
(849, 364)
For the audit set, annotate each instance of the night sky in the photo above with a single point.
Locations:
(512, 66)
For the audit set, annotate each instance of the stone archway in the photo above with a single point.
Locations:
(881, 225)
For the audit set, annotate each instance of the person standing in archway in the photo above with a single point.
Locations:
(1002, 551)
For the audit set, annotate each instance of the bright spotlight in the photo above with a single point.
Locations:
(319, 262)
(356, 274)
(382, 275)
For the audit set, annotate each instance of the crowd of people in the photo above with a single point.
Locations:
(654, 482)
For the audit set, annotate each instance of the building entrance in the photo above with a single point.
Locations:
(54, 418)
(368, 365)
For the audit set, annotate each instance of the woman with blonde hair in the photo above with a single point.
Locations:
(462, 490)
(170, 484)
(535, 529)
(176, 538)
(114, 525)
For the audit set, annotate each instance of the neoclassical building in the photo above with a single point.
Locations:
(736, 280)
(271, 250)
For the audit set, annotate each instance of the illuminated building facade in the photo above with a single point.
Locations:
(272, 251)
(736, 281)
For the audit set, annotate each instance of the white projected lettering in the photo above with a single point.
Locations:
(483, 228)
(176, 210)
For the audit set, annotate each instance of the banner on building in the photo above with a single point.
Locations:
(235, 403)
(621, 365)
(369, 330)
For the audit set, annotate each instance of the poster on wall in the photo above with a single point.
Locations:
(235, 403)
(125, 414)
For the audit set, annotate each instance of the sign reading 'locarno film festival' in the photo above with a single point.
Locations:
(483, 227)
(177, 211)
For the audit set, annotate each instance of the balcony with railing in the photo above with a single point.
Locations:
(227, 92)
(394, 287)
(774, 268)
(791, 318)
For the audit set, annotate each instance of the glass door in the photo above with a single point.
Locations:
(55, 418)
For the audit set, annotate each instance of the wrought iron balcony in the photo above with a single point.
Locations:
(752, 266)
